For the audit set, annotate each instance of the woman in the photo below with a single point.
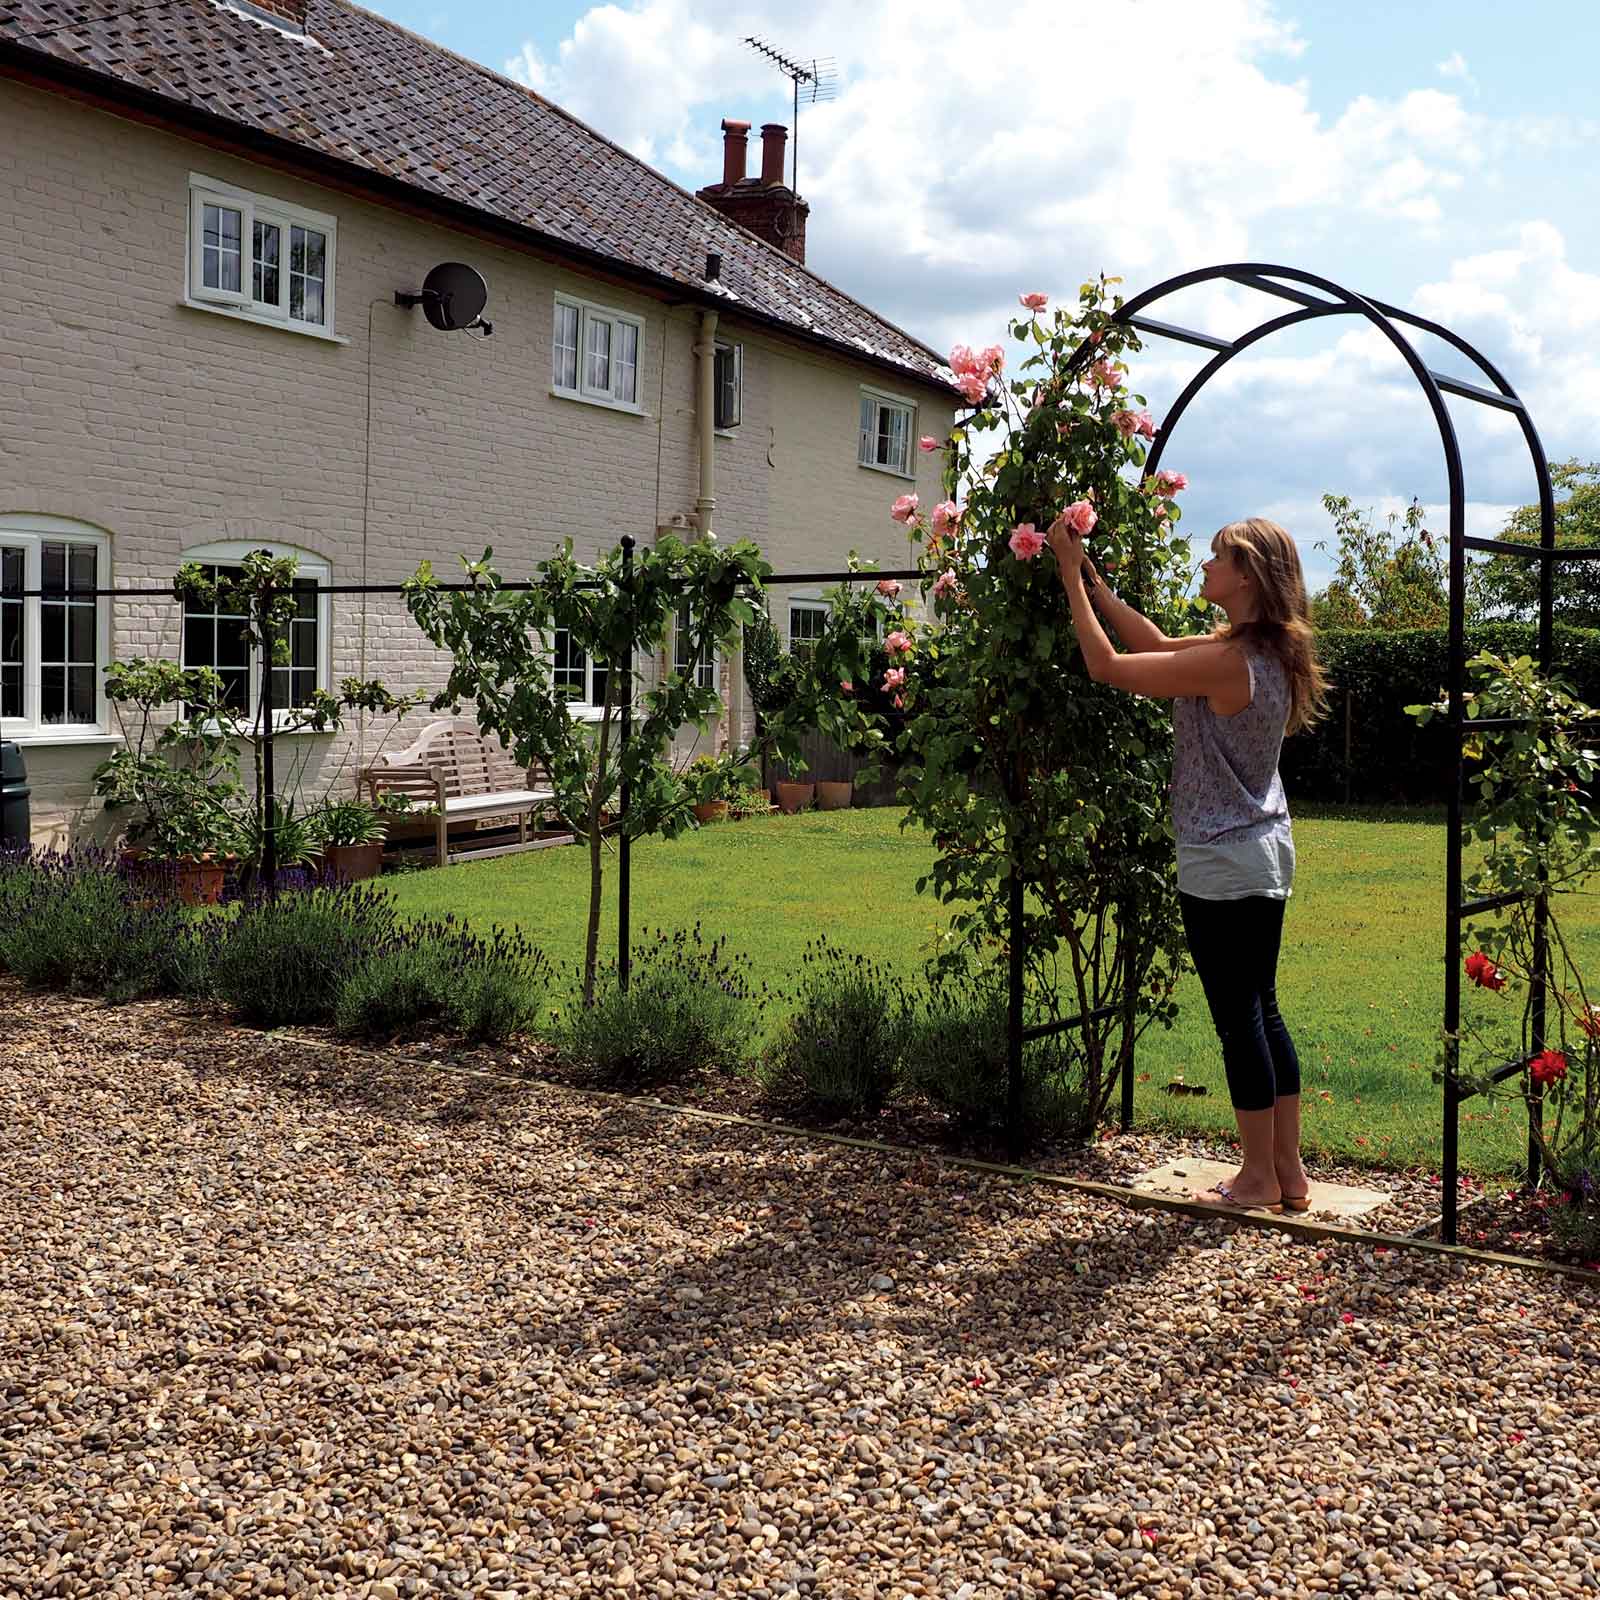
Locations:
(1235, 693)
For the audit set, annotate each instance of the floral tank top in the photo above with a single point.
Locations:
(1229, 814)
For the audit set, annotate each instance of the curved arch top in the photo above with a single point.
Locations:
(1315, 297)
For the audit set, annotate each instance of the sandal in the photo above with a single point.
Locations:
(1297, 1202)
(1227, 1200)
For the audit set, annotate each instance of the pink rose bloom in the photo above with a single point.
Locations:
(1159, 507)
(1064, 428)
(1125, 422)
(904, 509)
(945, 517)
(1034, 302)
(927, 444)
(847, 686)
(1171, 482)
(1147, 426)
(894, 678)
(991, 358)
(1026, 541)
(944, 584)
(1105, 374)
(898, 643)
(889, 587)
(962, 360)
(974, 387)
(899, 702)
(1080, 517)
(1096, 336)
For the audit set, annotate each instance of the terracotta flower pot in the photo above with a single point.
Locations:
(350, 863)
(795, 797)
(197, 880)
(835, 796)
(711, 811)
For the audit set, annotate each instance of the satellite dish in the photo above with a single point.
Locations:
(453, 297)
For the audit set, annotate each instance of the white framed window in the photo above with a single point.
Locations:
(704, 668)
(808, 621)
(54, 645)
(214, 634)
(574, 673)
(888, 426)
(595, 354)
(729, 386)
(260, 258)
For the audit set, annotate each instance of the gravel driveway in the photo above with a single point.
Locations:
(279, 1322)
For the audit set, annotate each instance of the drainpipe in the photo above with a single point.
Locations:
(705, 506)
(706, 350)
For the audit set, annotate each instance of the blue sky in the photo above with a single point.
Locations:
(1435, 155)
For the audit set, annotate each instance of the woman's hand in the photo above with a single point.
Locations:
(1067, 547)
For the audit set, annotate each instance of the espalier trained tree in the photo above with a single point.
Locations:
(1014, 759)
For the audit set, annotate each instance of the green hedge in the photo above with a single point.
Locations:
(1392, 759)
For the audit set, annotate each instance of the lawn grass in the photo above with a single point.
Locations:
(1360, 976)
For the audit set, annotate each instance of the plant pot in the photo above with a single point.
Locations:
(711, 811)
(835, 796)
(350, 863)
(197, 880)
(795, 797)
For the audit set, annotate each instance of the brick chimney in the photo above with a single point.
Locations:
(766, 205)
(292, 13)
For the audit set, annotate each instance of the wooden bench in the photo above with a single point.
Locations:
(467, 776)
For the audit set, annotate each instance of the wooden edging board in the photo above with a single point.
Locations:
(1300, 1226)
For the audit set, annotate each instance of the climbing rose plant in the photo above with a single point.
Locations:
(1533, 812)
(1013, 758)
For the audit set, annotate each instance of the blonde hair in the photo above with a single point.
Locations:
(1282, 624)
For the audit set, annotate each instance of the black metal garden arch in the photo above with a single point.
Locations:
(1316, 297)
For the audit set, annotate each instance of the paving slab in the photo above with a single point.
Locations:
(1186, 1178)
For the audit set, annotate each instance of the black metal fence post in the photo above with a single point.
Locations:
(1014, 1136)
(624, 852)
(1127, 917)
(269, 788)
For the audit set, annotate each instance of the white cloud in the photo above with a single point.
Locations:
(973, 154)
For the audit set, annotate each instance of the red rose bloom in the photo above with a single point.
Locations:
(1484, 972)
(1548, 1067)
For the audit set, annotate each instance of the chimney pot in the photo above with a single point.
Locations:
(734, 143)
(774, 143)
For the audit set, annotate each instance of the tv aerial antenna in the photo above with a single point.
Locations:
(815, 81)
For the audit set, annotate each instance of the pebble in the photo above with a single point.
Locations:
(282, 1321)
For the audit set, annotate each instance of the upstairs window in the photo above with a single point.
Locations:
(262, 258)
(888, 425)
(729, 385)
(596, 354)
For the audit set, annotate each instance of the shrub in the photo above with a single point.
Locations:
(79, 922)
(486, 988)
(286, 959)
(956, 1057)
(688, 1006)
(843, 1048)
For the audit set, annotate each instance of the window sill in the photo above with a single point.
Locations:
(239, 314)
(604, 405)
(891, 472)
(39, 738)
(726, 433)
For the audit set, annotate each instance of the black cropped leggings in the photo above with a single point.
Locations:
(1234, 944)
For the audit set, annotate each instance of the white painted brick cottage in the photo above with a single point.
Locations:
(205, 212)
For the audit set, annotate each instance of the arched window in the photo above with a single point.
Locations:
(54, 644)
(214, 634)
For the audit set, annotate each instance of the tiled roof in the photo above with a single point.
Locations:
(378, 101)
